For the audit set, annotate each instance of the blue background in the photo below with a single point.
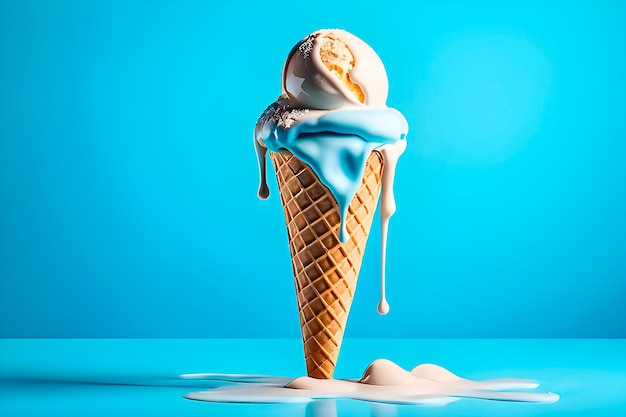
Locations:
(128, 177)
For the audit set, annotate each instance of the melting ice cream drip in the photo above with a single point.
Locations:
(390, 154)
(261, 153)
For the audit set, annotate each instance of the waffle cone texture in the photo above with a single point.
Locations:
(325, 270)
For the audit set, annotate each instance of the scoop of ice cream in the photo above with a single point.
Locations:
(332, 68)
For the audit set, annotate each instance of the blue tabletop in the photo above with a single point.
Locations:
(137, 377)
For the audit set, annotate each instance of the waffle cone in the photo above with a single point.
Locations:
(325, 270)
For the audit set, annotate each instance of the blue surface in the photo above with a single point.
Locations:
(128, 178)
(141, 377)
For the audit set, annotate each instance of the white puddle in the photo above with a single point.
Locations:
(383, 382)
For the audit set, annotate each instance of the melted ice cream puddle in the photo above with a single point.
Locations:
(383, 382)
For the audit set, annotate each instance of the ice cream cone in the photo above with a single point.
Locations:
(325, 270)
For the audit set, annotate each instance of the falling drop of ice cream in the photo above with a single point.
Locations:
(383, 305)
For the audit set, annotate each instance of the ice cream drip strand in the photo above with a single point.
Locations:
(391, 154)
(261, 153)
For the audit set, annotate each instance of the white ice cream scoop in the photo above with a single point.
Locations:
(331, 69)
